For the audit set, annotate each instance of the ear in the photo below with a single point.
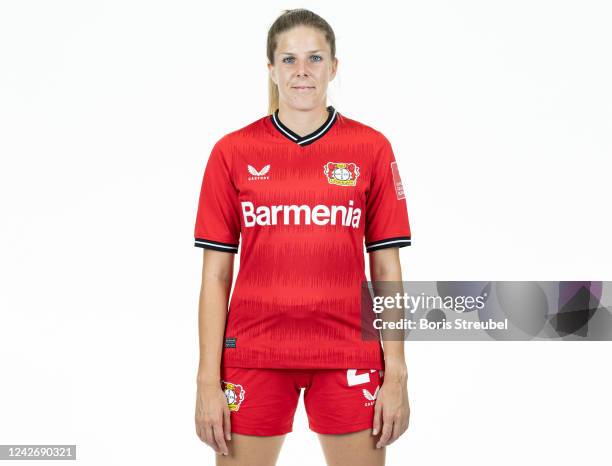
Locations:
(334, 69)
(271, 73)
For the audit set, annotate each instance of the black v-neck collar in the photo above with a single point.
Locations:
(309, 138)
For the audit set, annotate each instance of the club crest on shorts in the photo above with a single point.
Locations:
(234, 394)
(341, 173)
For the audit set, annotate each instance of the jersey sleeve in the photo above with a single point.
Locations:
(217, 223)
(387, 224)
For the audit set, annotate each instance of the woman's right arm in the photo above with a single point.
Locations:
(212, 415)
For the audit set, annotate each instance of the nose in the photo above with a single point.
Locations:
(302, 69)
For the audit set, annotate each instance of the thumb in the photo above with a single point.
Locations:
(377, 417)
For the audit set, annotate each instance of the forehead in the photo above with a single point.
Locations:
(301, 39)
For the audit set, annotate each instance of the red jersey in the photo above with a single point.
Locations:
(300, 208)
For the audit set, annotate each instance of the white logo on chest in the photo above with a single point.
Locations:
(258, 175)
(300, 215)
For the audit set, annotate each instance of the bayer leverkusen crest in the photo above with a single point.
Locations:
(234, 394)
(341, 173)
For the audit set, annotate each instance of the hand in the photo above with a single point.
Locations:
(391, 409)
(212, 417)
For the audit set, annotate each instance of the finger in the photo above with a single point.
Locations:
(377, 418)
(397, 431)
(204, 430)
(387, 430)
(227, 423)
(405, 421)
(210, 438)
(218, 433)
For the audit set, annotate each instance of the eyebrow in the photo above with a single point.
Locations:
(291, 53)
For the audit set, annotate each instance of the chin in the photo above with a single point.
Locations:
(306, 102)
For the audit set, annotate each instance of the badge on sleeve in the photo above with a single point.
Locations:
(397, 181)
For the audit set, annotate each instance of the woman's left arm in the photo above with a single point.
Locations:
(392, 410)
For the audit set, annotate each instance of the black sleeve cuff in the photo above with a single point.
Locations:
(396, 242)
(216, 245)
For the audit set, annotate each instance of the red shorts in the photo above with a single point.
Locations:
(337, 401)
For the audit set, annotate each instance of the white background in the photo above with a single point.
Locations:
(499, 114)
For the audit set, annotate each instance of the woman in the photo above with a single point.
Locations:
(301, 188)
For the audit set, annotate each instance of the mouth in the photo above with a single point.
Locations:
(303, 88)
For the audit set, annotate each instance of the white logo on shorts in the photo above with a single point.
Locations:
(368, 395)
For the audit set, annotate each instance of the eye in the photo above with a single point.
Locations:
(287, 58)
(317, 56)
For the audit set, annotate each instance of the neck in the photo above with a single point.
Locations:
(302, 122)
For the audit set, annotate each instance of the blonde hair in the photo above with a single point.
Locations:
(286, 21)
